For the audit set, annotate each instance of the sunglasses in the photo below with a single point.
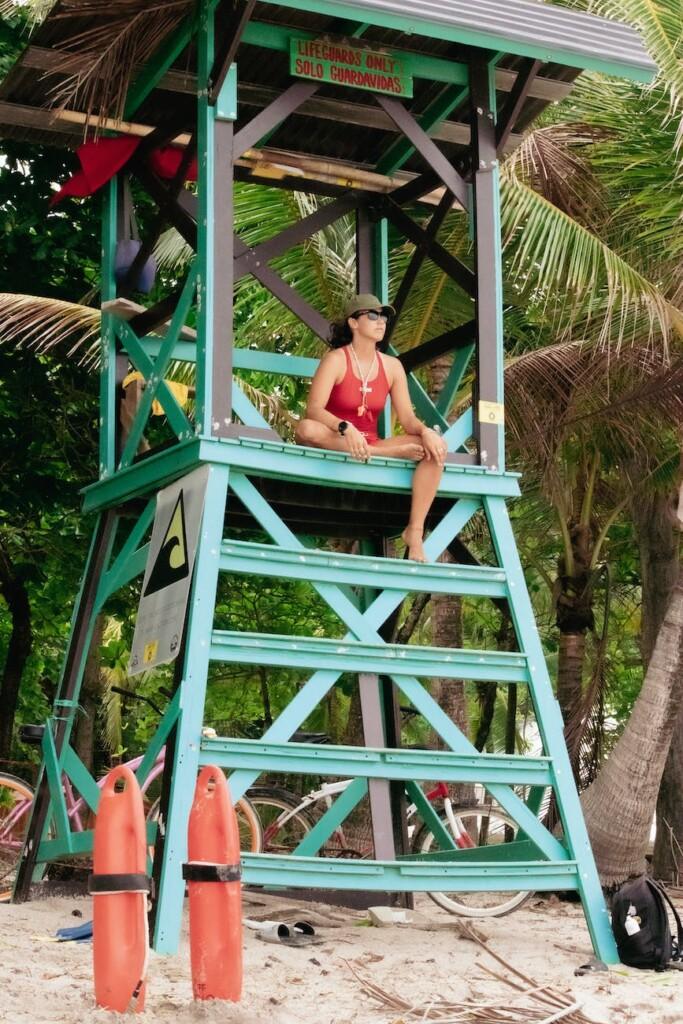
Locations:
(372, 314)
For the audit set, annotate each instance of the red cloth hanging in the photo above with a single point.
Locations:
(166, 161)
(102, 159)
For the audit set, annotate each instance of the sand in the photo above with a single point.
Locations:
(432, 959)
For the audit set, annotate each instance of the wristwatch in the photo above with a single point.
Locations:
(343, 427)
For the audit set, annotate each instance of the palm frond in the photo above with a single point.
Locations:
(554, 161)
(634, 160)
(660, 23)
(172, 252)
(100, 62)
(568, 400)
(554, 256)
(34, 11)
(272, 407)
(43, 323)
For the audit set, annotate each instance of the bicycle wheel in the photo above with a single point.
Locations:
(284, 825)
(248, 823)
(486, 826)
(16, 798)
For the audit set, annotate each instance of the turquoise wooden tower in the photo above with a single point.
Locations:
(395, 112)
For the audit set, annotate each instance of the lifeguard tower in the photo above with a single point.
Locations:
(396, 113)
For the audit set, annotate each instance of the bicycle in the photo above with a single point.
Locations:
(286, 819)
(16, 798)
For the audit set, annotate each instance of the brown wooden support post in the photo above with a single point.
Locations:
(364, 260)
(488, 405)
(123, 214)
(379, 707)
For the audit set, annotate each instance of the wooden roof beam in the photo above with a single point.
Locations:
(43, 59)
(269, 166)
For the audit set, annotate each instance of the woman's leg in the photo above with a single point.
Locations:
(426, 478)
(426, 482)
(317, 435)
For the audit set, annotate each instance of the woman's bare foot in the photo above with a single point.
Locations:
(408, 450)
(412, 538)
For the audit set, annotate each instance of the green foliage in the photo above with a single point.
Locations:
(48, 416)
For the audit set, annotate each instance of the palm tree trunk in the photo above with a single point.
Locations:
(667, 862)
(618, 806)
(574, 617)
(447, 632)
(657, 530)
(571, 654)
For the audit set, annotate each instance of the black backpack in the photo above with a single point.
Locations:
(641, 925)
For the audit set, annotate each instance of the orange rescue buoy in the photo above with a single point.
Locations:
(213, 877)
(119, 885)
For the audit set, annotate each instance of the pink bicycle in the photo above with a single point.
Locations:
(16, 798)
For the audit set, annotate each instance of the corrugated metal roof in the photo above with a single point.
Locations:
(523, 27)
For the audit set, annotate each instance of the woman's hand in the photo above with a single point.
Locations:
(434, 445)
(356, 443)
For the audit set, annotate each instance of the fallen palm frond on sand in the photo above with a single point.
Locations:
(532, 1003)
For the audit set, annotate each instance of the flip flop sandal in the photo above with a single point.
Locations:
(300, 934)
(592, 967)
(79, 933)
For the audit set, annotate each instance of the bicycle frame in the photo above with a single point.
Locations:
(75, 804)
(329, 790)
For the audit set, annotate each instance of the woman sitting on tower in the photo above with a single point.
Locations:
(348, 393)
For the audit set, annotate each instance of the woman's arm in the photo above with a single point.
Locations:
(331, 372)
(324, 379)
(434, 445)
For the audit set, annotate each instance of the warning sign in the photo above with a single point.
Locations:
(171, 564)
(165, 588)
(341, 63)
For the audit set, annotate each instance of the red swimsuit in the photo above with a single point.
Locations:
(346, 397)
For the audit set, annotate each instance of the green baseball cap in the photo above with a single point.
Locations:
(357, 302)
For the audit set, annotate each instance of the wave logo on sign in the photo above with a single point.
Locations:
(172, 562)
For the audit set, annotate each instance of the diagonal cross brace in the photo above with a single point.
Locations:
(287, 295)
(272, 115)
(295, 233)
(120, 570)
(428, 150)
(365, 627)
(236, 23)
(450, 265)
(417, 259)
(160, 365)
(142, 362)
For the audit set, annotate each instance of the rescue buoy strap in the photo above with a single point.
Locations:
(130, 882)
(205, 872)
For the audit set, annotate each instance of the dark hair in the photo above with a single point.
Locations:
(341, 335)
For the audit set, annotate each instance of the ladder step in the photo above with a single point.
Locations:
(359, 570)
(354, 656)
(369, 762)
(406, 875)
